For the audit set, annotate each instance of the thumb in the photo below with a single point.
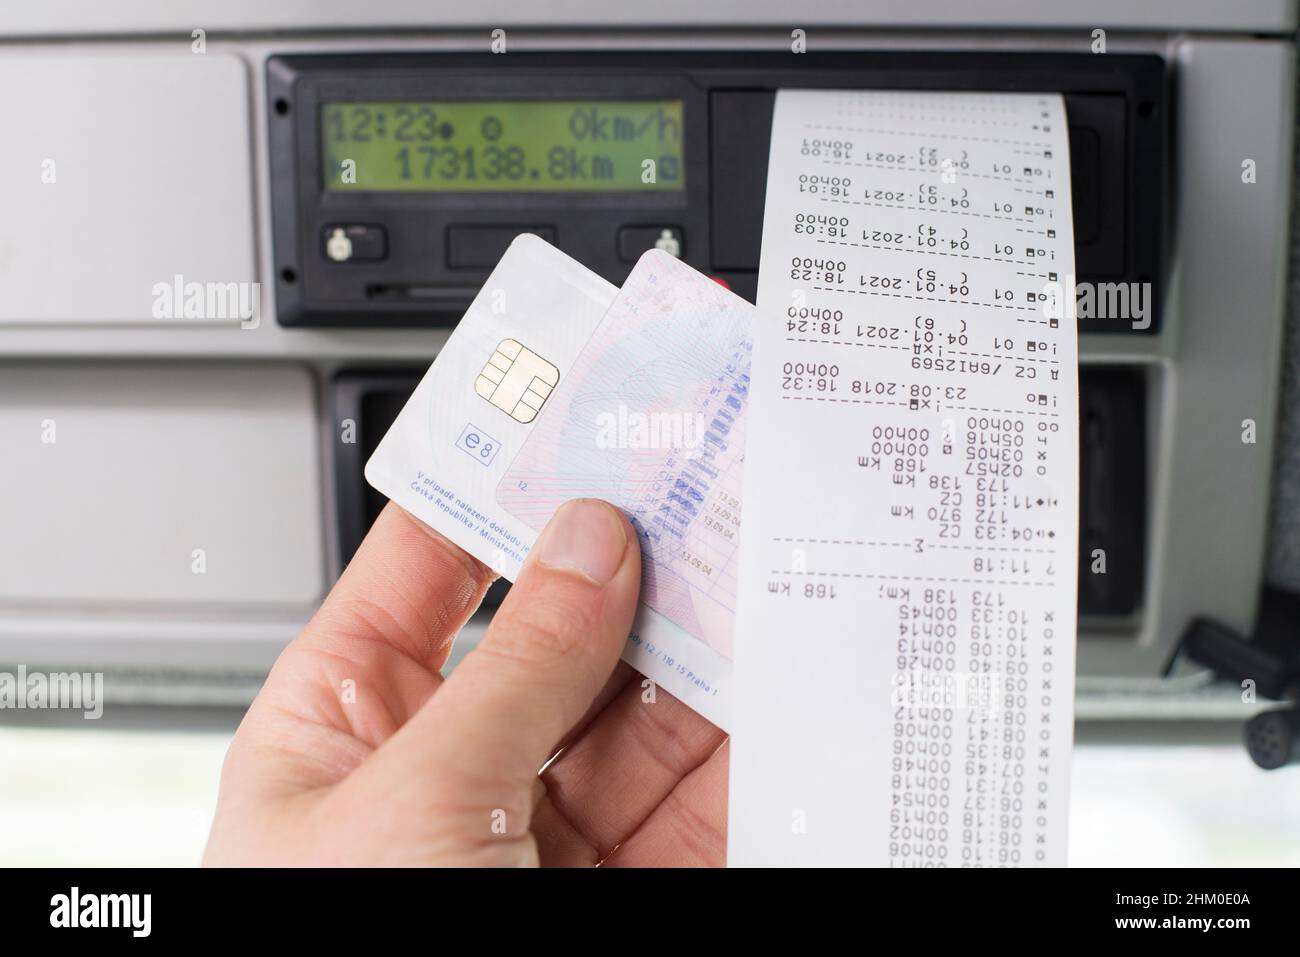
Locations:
(482, 738)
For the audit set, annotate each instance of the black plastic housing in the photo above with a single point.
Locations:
(1112, 479)
(1116, 105)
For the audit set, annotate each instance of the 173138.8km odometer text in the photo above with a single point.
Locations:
(502, 145)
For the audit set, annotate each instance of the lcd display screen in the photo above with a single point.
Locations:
(502, 146)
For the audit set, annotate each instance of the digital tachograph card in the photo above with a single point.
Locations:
(556, 386)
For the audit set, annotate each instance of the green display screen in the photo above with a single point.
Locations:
(503, 145)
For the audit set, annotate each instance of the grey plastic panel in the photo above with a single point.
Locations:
(1284, 542)
(52, 17)
(119, 173)
(1219, 362)
(128, 488)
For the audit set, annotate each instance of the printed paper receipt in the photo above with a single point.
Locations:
(906, 610)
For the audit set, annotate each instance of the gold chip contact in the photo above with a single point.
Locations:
(517, 380)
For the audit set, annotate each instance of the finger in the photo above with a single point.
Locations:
(689, 829)
(623, 674)
(407, 587)
(558, 842)
(481, 740)
(627, 762)
(368, 659)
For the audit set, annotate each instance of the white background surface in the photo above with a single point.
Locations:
(130, 798)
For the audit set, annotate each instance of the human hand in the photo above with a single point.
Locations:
(357, 752)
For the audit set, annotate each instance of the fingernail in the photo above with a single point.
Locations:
(585, 536)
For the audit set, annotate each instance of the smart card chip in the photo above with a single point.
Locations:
(517, 380)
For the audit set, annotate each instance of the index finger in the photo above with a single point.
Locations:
(408, 587)
(387, 628)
